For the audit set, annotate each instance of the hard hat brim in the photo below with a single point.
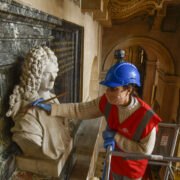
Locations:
(114, 84)
(110, 84)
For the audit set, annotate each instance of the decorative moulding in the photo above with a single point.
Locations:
(25, 13)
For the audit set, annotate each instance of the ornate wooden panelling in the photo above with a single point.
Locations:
(170, 22)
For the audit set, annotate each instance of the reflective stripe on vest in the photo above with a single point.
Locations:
(139, 130)
(120, 177)
(107, 110)
(142, 125)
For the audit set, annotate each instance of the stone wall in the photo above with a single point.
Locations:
(70, 11)
(22, 28)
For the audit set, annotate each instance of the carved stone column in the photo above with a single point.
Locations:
(149, 80)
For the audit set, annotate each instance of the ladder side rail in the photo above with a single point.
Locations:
(145, 156)
(157, 163)
(176, 133)
(171, 173)
(169, 125)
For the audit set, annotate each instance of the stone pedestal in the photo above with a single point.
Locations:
(48, 168)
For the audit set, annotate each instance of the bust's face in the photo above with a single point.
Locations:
(48, 77)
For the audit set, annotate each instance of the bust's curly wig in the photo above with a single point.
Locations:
(30, 80)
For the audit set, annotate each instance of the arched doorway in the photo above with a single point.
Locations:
(151, 47)
(159, 66)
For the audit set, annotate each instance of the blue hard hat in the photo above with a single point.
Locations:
(122, 74)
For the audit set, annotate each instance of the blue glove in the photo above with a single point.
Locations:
(108, 134)
(109, 142)
(44, 106)
(36, 102)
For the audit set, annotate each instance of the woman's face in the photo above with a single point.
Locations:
(48, 77)
(118, 95)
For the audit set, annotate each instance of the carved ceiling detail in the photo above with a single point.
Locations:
(117, 11)
(130, 8)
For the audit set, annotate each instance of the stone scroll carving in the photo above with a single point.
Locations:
(37, 134)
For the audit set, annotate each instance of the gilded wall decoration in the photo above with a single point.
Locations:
(126, 9)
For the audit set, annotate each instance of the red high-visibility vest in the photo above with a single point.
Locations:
(130, 128)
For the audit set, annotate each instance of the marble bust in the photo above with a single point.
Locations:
(39, 135)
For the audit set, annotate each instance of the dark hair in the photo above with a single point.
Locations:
(134, 91)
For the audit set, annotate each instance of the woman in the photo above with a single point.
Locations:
(36, 135)
(131, 124)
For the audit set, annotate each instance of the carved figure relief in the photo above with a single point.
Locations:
(37, 134)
